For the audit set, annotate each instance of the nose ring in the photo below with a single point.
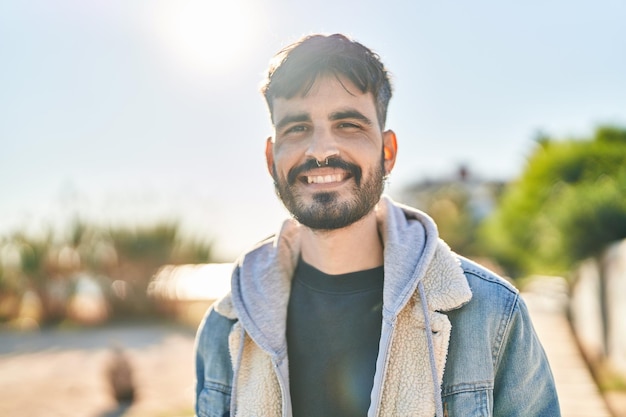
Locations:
(318, 162)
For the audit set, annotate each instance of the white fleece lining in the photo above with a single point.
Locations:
(257, 392)
(408, 386)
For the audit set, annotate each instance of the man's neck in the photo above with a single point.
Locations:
(353, 248)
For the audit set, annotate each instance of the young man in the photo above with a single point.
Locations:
(356, 307)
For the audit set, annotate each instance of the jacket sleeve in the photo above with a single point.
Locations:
(523, 384)
(214, 372)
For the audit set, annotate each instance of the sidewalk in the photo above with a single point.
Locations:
(65, 368)
(61, 373)
(578, 394)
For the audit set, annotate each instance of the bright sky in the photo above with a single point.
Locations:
(128, 110)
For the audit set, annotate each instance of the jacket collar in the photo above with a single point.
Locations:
(261, 281)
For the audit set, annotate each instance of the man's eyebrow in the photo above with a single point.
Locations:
(350, 114)
(293, 118)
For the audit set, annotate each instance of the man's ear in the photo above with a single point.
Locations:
(390, 150)
(269, 155)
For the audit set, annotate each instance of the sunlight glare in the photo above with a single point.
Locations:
(208, 37)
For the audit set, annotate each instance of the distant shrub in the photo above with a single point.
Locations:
(569, 203)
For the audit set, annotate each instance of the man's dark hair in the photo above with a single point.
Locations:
(295, 69)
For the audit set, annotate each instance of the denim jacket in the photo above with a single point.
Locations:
(456, 339)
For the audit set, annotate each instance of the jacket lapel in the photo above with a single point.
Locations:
(256, 391)
(408, 388)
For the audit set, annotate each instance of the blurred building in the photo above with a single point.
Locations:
(466, 191)
(458, 204)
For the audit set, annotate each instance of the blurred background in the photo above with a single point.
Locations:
(132, 172)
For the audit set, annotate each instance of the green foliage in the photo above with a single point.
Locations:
(611, 134)
(125, 255)
(160, 242)
(568, 204)
(597, 219)
(155, 242)
(33, 256)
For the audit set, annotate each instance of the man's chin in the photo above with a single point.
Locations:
(327, 217)
(325, 198)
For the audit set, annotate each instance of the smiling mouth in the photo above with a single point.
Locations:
(335, 172)
(324, 179)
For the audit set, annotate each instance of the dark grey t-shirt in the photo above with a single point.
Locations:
(333, 331)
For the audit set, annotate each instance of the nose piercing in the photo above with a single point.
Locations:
(318, 163)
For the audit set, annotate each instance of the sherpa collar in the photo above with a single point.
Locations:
(261, 280)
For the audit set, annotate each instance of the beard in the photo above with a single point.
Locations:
(328, 211)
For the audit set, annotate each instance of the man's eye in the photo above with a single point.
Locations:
(297, 129)
(348, 125)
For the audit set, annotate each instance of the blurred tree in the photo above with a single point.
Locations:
(12, 281)
(141, 251)
(568, 205)
(120, 259)
(448, 206)
(32, 253)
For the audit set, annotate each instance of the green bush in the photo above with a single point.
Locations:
(124, 254)
(569, 203)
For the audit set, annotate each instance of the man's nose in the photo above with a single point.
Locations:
(322, 145)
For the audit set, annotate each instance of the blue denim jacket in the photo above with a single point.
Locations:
(494, 366)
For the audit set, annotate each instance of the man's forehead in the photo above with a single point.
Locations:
(329, 83)
(326, 97)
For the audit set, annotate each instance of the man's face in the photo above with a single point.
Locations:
(334, 125)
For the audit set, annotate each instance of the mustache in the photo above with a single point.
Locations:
(334, 162)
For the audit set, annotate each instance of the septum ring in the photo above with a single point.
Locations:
(318, 162)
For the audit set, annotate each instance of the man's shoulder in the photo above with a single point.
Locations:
(482, 276)
(218, 320)
(491, 293)
(495, 301)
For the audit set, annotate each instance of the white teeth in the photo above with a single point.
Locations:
(323, 179)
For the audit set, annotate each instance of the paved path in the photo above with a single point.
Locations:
(64, 369)
(578, 394)
(61, 373)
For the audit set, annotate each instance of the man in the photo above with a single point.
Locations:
(356, 307)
